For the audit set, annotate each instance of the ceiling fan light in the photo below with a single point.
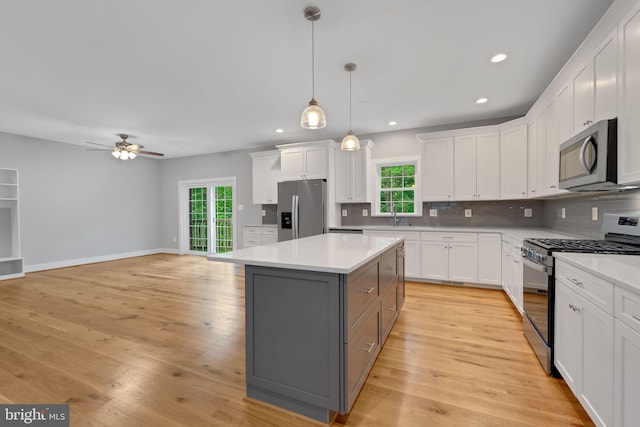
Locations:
(313, 116)
(124, 155)
(115, 153)
(132, 155)
(350, 142)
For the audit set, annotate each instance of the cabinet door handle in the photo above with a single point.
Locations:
(533, 191)
(392, 308)
(635, 316)
(368, 291)
(575, 281)
(368, 350)
(553, 186)
(389, 267)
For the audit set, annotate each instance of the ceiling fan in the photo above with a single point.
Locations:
(125, 150)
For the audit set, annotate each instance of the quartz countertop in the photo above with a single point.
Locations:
(519, 233)
(621, 270)
(331, 253)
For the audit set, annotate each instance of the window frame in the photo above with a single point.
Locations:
(397, 161)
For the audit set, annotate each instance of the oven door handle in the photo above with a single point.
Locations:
(541, 268)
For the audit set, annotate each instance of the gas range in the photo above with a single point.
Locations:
(622, 237)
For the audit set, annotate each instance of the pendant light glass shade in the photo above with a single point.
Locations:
(313, 116)
(350, 142)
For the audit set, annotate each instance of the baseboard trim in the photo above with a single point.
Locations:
(92, 260)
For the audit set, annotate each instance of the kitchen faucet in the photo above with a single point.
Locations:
(395, 216)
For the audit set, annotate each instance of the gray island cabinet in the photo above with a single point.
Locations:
(318, 311)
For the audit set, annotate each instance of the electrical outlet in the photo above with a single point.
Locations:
(365, 212)
(594, 213)
(563, 213)
(175, 238)
(344, 212)
(467, 213)
(240, 207)
(433, 212)
(528, 212)
(263, 212)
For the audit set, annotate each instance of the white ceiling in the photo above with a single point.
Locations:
(189, 77)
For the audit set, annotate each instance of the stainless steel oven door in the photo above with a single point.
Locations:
(536, 282)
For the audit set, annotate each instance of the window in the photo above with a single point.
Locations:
(397, 187)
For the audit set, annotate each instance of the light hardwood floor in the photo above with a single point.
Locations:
(159, 340)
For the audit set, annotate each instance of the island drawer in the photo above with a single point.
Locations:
(628, 308)
(252, 231)
(388, 268)
(269, 231)
(592, 288)
(389, 309)
(362, 291)
(361, 352)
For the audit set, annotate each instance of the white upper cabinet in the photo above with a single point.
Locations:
(595, 86)
(629, 98)
(563, 114)
(265, 176)
(351, 174)
(464, 149)
(437, 167)
(513, 162)
(477, 167)
(535, 160)
(488, 166)
(304, 160)
(552, 152)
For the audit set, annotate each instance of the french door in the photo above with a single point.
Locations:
(207, 219)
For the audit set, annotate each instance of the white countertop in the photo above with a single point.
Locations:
(331, 253)
(261, 225)
(622, 270)
(518, 233)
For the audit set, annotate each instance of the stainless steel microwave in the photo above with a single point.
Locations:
(589, 160)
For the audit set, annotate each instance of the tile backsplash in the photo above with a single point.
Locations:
(504, 213)
(578, 212)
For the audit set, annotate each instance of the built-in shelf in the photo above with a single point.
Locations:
(11, 263)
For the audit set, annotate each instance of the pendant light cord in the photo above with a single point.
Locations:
(350, 101)
(313, 62)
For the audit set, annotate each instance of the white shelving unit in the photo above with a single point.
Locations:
(11, 264)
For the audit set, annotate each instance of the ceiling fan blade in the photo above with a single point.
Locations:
(95, 143)
(98, 149)
(149, 153)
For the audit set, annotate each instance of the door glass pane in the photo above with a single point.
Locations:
(222, 235)
(198, 240)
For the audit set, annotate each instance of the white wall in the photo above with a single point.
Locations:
(76, 204)
(219, 165)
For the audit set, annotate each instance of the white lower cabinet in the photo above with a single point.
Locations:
(627, 359)
(489, 258)
(450, 256)
(584, 340)
(258, 236)
(411, 249)
(626, 376)
(512, 282)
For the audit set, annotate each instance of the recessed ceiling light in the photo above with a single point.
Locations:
(499, 57)
(279, 130)
(481, 100)
(392, 123)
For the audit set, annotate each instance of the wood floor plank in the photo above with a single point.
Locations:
(159, 340)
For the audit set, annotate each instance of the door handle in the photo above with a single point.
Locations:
(368, 290)
(368, 350)
(575, 281)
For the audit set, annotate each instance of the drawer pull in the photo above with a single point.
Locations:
(368, 350)
(368, 291)
(635, 316)
(390, 268)
(575, 281)
(393, 309)
(574, 307)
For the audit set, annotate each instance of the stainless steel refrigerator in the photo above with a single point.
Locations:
(301, 209)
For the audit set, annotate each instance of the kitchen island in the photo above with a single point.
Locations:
(318, 310)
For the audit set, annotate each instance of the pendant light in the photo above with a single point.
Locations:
(350, 142)
(313, 116)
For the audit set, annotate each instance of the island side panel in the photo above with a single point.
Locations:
(294, 338)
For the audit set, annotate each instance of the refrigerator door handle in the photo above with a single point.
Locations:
(294, 208)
